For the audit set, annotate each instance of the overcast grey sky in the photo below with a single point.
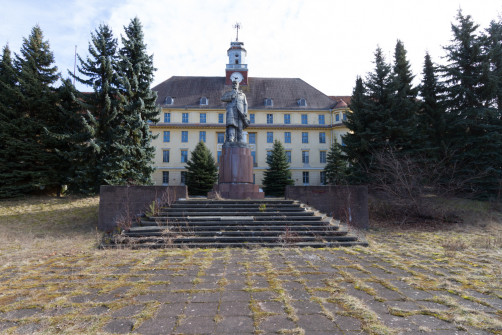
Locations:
(326, 43)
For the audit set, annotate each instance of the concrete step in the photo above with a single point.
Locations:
(232, 239)
(246, 232)
(234, 209)
(233, 213)
(239, 228)
(236, 223)
(226, 202)
(249, 245)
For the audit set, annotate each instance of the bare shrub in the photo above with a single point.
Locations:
(410, 186)
(288, 238)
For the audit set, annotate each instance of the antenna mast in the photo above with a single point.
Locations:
(237, 26)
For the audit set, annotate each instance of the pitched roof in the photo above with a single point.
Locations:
(186, 92)
(341, 100)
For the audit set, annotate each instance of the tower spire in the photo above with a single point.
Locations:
(237, 26)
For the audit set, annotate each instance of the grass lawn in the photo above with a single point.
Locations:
(54, 279)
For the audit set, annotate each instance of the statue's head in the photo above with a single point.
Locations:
(235, 85)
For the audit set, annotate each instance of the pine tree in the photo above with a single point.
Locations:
(104, 151)
(474, 125)
(432, 123)
(72, 138)
(202, 171)
(35, 111)
(137, 74)
(13, 175)
(278, 175)
(402, 123)
(336, 167)
(368, 123)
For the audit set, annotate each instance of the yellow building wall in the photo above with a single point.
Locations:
(333, 130)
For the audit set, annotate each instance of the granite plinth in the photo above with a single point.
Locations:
(235, 179)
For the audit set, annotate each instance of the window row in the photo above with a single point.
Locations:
(166, 180)
(305, 156)
(170, 101)
(186, 119)
(287, 137)
(321, 118)
(183, 177)
(252, 137)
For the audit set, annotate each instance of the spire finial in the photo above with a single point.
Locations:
(237, 26)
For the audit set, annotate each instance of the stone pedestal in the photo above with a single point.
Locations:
(235, 180)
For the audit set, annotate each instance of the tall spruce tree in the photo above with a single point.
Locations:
(137, 74)
(474, 127)
(278, 175)
(72, 138)
(13, 175)
(202, 172)
(432, 123)
(336, 167)
(104, 105)
(402, 123)
(369, 121)
(35, 111)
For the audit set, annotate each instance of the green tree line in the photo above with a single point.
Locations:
(53, 135)
(451, 120)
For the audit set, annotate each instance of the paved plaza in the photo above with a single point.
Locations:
(238, 291)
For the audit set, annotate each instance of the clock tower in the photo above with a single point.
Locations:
(236, 69)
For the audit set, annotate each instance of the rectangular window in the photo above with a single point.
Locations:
(220, 118)
(322, 137)
(253, 153)
(165, 156)
(323, 177)
(305, 157)
(344, 117)
(251, 118)
(184, 156)
(221, 137)
(337, 117)
(184, 136)
(288, 156)
(270, 118)
(287, 137)
(167, 117)
(322, 156)
(287, 118)
(306, 178)
(269, 153)
(305, 137)
(167, 136)
(202, 117)
(218, 155)
(270, 137)
(321, 118)
(202, 136)
(304, 119)
(183, 177)
(165, 177)
(184, 118)
(252, 138)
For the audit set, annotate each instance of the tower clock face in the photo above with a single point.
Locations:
(237, 76)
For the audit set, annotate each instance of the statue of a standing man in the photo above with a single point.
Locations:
(237, 112)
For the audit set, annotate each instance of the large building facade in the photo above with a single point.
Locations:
(304, 119)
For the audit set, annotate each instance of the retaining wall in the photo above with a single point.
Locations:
(122, 203)
(345, 203)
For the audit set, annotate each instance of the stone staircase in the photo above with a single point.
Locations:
(236, 223)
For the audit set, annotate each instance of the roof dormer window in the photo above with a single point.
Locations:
(269, 102)
(168, 100)
(302, 102)
(203, 101)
